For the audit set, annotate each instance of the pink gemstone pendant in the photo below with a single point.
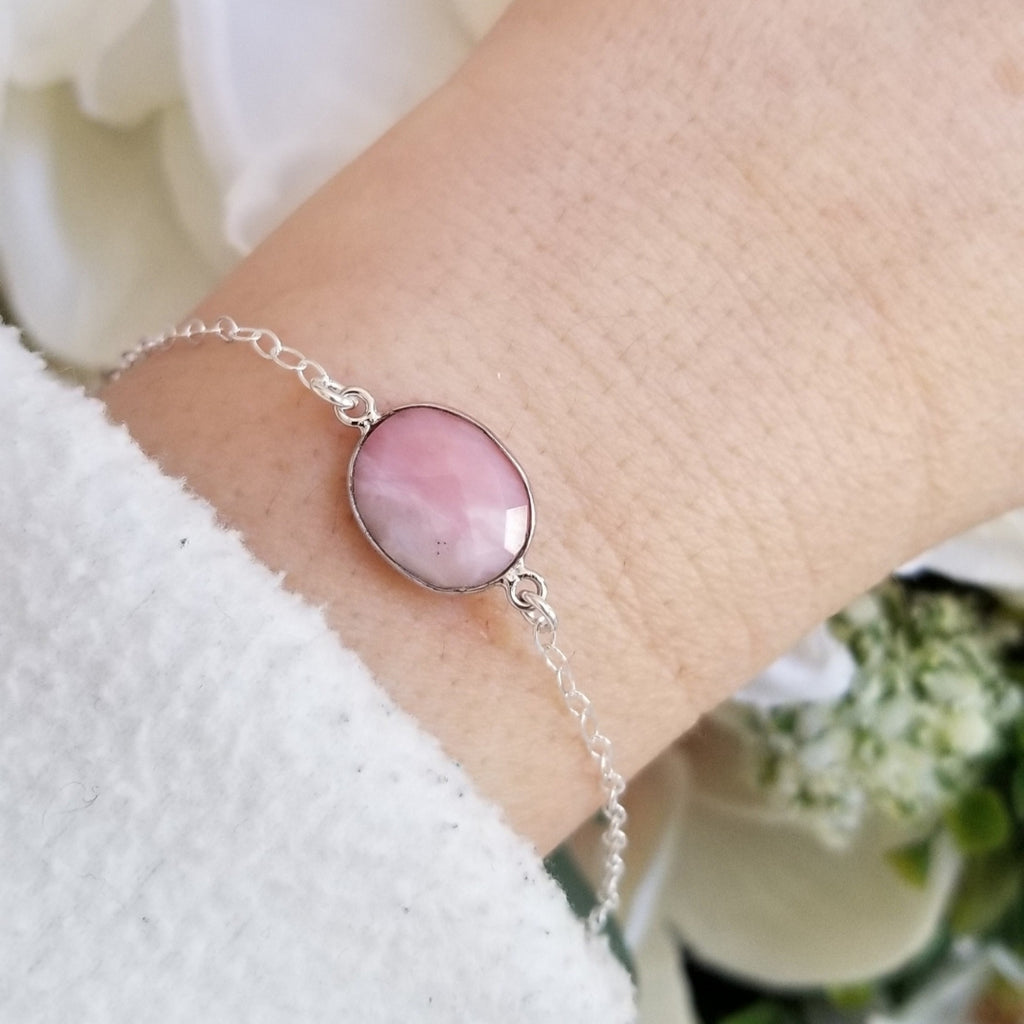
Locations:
(441, 498)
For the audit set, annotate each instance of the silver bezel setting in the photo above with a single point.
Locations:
(515, 560)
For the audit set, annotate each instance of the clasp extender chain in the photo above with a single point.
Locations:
(527, 591)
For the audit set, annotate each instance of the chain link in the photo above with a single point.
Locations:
(527, 592)
(354, 406)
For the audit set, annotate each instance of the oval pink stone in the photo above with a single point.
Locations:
(441, 498)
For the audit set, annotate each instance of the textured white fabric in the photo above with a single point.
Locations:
(208, 810)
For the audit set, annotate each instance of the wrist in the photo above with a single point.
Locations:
(720, 444)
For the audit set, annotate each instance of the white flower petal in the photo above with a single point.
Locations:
(261, 192)
(284, 96)
(193, 188)
(479, 16)
(717, 763)
(52, 39)
(768, 901)
(654, 801)
(135, 73)
(818, 668)
(6, 55)
(662, 992)
(91, 251)
(773, 904)
(990, 555)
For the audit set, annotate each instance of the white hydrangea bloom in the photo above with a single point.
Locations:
(929, 702)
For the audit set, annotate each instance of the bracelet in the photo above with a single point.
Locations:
(446, 504)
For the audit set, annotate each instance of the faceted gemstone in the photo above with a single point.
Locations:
(440, 497)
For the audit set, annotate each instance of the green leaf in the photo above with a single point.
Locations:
(1011, 927)
(852, 997)
(759, 1013)
(912, 862)
(988, 889)
(980, 822)
(1017, 791)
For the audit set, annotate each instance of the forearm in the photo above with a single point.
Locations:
(705, 285)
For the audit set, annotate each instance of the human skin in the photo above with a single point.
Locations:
(738, 285)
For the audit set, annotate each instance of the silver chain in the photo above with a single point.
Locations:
(531, 602)
(354, 406)
(527, 590)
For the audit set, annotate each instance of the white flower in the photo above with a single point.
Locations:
(990, 555)
(784, 873)
(818, 668)
(770, 902)
(146, 145)
(930, 701)
(657, 799)
(749, 891)
(88, 257)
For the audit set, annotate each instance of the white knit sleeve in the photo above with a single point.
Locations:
(209, 812)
